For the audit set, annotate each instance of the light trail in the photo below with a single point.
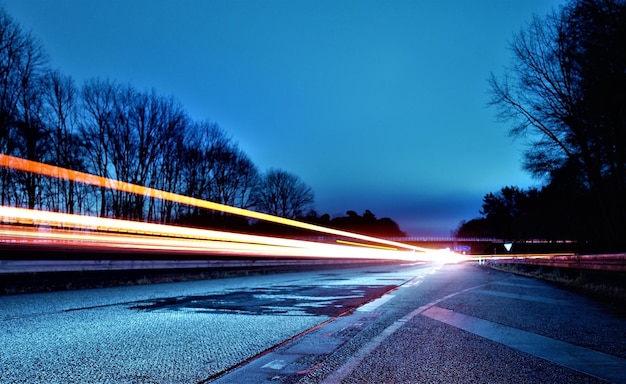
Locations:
(366, 245)
(124, 234)
(81, 177)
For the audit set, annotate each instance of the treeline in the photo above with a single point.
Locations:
(366, 223)
(565, 92)
(521, 214)
(116, 131)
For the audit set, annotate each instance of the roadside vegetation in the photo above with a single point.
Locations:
(609, 287)
(564, 94)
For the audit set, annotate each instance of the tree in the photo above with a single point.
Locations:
(283, 194)
(215, 169)
(352, 222)
(99, 98)
(513, 214)
(565, 91)
(12, 46)
(23, 67)
(550, 213)
(166, 147)
(31, 134)
(61, 101)
(196, 162)
(233, 176)
(148, 127)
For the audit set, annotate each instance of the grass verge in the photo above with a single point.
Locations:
(606, 286)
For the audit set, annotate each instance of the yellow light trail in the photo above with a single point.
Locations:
(366, 245)
(81, 177)
(116, 233)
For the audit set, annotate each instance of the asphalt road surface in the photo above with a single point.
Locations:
(421, 323)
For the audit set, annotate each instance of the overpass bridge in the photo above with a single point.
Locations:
(489, 245)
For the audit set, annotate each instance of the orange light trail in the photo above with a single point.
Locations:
(81, 177)
(366, 245)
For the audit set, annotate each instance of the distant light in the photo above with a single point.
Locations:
(445, 256)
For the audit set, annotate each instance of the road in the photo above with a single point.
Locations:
(421, 323)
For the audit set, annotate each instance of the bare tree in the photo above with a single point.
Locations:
(168, 177)
(216, 170)
(158, 126)
(31, 133)
(201, 143)
(61, 116)
(134, 137)
(12, 47)
(99, 106)
(12, 41)
(233, 176)
(23, 66)
(566, 92)
(246, 180)
(283, 194)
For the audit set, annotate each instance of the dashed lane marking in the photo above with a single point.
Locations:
(275, 364)
(372, 305)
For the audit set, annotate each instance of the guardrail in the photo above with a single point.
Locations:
(45, 266)
(603, 262)
(26, 276)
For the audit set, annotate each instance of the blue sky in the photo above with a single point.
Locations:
(378, 105)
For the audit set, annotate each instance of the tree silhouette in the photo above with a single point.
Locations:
(566, 91)
(368, 224)
(283, 194)
(23, 69)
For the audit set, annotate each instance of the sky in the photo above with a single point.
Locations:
(376, 105)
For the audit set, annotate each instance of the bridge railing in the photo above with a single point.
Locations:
(444, 239)
(409, 239)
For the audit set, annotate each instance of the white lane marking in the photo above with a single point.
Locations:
(276, 365)
(419, 278)
(414, 282)
(369, 307)
(355, 360)
(587, 361)
(372, 305)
